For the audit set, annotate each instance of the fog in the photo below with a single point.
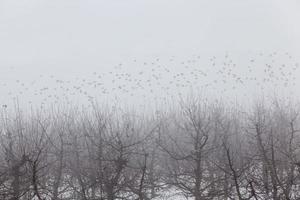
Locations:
(149, 99)
(74, 39)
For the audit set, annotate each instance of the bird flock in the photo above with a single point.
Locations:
(157, 80)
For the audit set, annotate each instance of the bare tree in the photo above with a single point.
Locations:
(188, 147)
(274, 133)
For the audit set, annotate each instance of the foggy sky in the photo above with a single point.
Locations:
(71, 38)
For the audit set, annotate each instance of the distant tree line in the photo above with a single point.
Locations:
(202, 150)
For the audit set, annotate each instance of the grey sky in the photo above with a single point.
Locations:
(71, 38)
